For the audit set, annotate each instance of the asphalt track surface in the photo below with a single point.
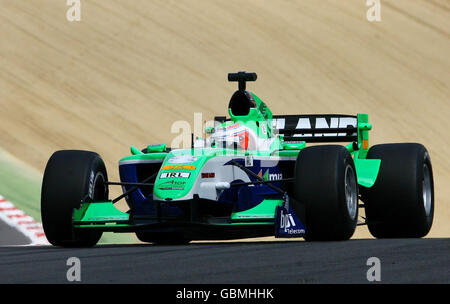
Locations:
(279, 262)
(10, 236)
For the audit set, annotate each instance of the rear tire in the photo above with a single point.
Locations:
(70, 177)
(401, 202)
(326, 188)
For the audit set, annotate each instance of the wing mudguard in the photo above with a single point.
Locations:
(287, 223)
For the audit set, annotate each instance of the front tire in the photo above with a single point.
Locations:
(70, 177)
(325, 187)
(401, 202)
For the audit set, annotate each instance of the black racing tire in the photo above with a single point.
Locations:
(71, 176)
(326, 189)
(162, 238)
(401, 202)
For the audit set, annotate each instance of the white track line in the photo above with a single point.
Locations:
(22, 222)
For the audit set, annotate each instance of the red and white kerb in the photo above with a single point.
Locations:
(22, 222)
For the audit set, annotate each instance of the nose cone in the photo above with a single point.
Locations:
(178, 174)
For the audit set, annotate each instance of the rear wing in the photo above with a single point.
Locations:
(321, 128)
(316, 127)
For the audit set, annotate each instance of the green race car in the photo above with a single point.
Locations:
(252, 176)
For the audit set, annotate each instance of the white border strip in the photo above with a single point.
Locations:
(22, 222)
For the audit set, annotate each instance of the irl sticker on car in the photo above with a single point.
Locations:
(175, 175)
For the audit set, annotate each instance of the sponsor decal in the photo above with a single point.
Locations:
(178, 167)
(287, 223)
(233, 126)
(263, 128)
(316, 123)
(180, 159)
(249, 161)
(208, 175)
(263, 109)
(91, 185)
(267, 176)
(172, 185)
(175, 175)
